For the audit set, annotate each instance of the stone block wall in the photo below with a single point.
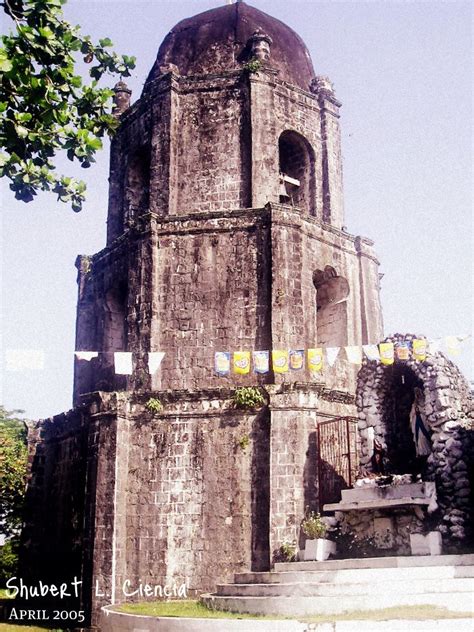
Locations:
(177, 497)
(229, 281)
(212, 139)
(294, 486)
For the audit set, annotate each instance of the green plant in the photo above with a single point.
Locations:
(313, 526)
(248, 397)
(47, 108)
(154, 405)
(253, 65)
(243, 442)
(9, 559)
(287, 552)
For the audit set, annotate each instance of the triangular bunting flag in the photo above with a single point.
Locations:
(155, 359)
(354, 355)
(331, 354)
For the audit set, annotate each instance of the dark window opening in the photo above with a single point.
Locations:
(297, 174)
(137, 186)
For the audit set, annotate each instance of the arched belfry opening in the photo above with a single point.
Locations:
(137, 185)
(297, 171)
(332, 292)
(114, 335)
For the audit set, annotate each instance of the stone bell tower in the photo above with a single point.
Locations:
(225, 232)
(225, 221)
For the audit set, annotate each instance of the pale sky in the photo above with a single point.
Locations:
(403, 71)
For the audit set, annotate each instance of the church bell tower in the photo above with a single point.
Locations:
(225, 225)
(225, 232)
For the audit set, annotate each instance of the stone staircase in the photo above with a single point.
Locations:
(338, 586)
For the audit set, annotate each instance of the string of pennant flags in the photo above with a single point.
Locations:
(277, 360)
(283, 361)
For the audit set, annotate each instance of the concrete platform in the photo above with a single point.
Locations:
(386, 497)
(339, 586)
(121, 622)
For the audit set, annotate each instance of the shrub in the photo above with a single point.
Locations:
(313, 527)
(154, 405)
(248, 397)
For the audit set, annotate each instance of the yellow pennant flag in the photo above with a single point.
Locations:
(242, 362)
(315, 359)
(419, 349)
(280, 361)
(453, 346)
(386, 352)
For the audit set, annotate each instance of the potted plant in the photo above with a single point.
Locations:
(317, 547)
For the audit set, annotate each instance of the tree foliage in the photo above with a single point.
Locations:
(13, 460)
(45, 107)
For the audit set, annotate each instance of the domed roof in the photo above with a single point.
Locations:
(217, 40)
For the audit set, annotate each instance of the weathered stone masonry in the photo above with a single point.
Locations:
(206, 252)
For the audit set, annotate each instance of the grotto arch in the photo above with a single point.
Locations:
(385, 397)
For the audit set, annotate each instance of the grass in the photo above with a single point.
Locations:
(8, 627)
(195, 609)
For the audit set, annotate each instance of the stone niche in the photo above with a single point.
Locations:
(385, 396)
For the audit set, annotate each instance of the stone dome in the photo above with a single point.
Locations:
(218, 40)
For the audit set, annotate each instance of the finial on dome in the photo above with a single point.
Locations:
(121, 98)
(260, 44)
(321, 85)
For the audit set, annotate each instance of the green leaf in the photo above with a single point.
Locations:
(105, 42)
(21, 131)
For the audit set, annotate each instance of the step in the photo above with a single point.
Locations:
(359, 575)
(309, 589)
(379, 562)
(327, 605)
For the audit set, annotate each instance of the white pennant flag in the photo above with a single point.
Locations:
(434, 345)
(354, 355)
(24, 359)
(371, 351)
(123, 363)
(86, 355)
(154, 361)
(331, 354)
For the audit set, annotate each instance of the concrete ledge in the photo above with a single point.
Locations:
(112, 621)
(378, 562)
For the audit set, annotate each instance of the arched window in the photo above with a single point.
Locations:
(115, 334)
(297, 174)
(137, 184)
(331, 307)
